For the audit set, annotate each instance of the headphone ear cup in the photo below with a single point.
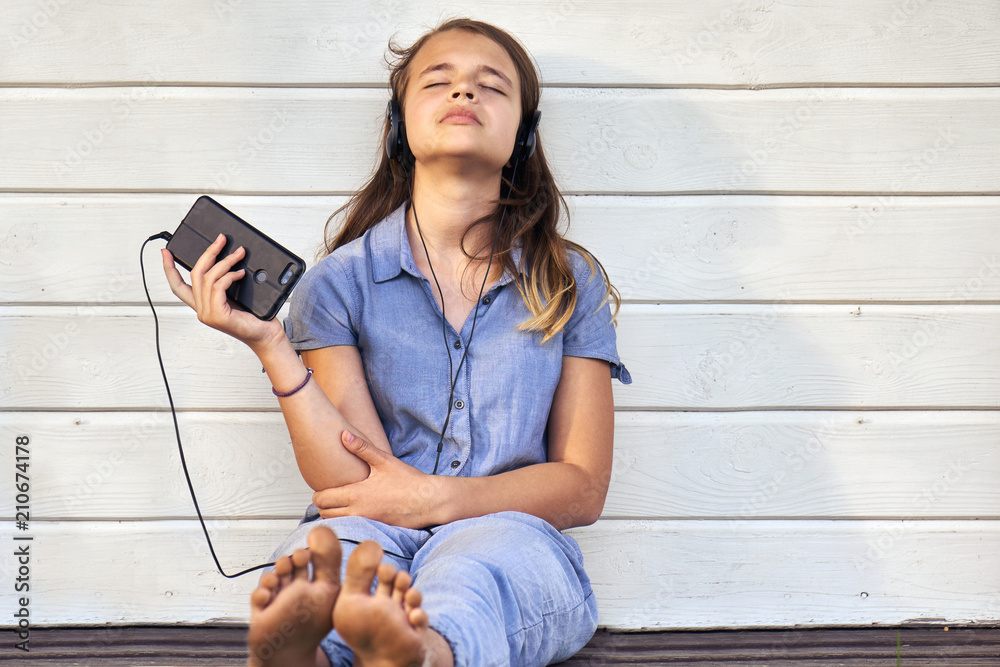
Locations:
(527, 138)
(396, 147)
(393, 148)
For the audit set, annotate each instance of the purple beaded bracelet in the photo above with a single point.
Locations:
(283, 394)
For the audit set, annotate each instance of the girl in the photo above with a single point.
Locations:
(452, 409)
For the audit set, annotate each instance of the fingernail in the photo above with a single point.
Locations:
(349, 436)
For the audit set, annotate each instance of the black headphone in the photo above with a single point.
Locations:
(398, 148)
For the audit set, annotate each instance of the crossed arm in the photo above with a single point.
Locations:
(568, 490)
(342, 450)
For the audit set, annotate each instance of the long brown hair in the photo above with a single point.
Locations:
(534, 205)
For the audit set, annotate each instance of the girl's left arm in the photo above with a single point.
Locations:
(567, 490)
(570, 488)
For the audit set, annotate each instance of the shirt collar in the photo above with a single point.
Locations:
(390, 250)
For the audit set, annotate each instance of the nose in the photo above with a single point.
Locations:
(463, 87)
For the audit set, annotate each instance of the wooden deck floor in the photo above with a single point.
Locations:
(850, 647)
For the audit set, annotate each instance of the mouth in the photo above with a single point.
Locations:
(461, 115)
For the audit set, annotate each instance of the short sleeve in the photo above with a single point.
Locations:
(323, 310)
(590, 332)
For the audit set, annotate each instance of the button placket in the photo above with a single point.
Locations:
(461, 419)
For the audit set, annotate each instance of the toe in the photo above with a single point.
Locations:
(268, 580)
(326, 554)
(300, 564)
(386, 577)
(283, 569)
(418, 618)
(283, 566)
(361, 566)
(260, 598)
(413, 599)
(401, 584)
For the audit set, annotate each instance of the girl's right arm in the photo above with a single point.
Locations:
(314, 422)
(311, 414)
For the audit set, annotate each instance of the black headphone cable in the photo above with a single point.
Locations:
(475, 316)
(173, 412)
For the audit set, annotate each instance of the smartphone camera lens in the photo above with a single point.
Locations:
(260, 276)
(286, 276)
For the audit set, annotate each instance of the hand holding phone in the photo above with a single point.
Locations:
(271, 270)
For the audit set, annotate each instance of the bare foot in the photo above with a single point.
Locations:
(387, 628)
(289, 614)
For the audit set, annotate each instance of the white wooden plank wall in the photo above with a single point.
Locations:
(797, 199)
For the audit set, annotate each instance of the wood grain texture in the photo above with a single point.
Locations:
(621, 141)
(741, 466)
(798, 201)
(635, 42)
(682, 356)
(694, 248)
(808, 356)
(646, 574)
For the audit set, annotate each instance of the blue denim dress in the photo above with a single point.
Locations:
(477, 590)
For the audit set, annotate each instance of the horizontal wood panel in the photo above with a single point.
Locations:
(748, 356)
(647, 42)
(680, 356)
(707, 574)
(84, 248)
(599, 140)
(740, 465)
(646, 574)
(754, 465)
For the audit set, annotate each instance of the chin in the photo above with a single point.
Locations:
(471, 156)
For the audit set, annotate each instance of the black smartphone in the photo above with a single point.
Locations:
(271, 270)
